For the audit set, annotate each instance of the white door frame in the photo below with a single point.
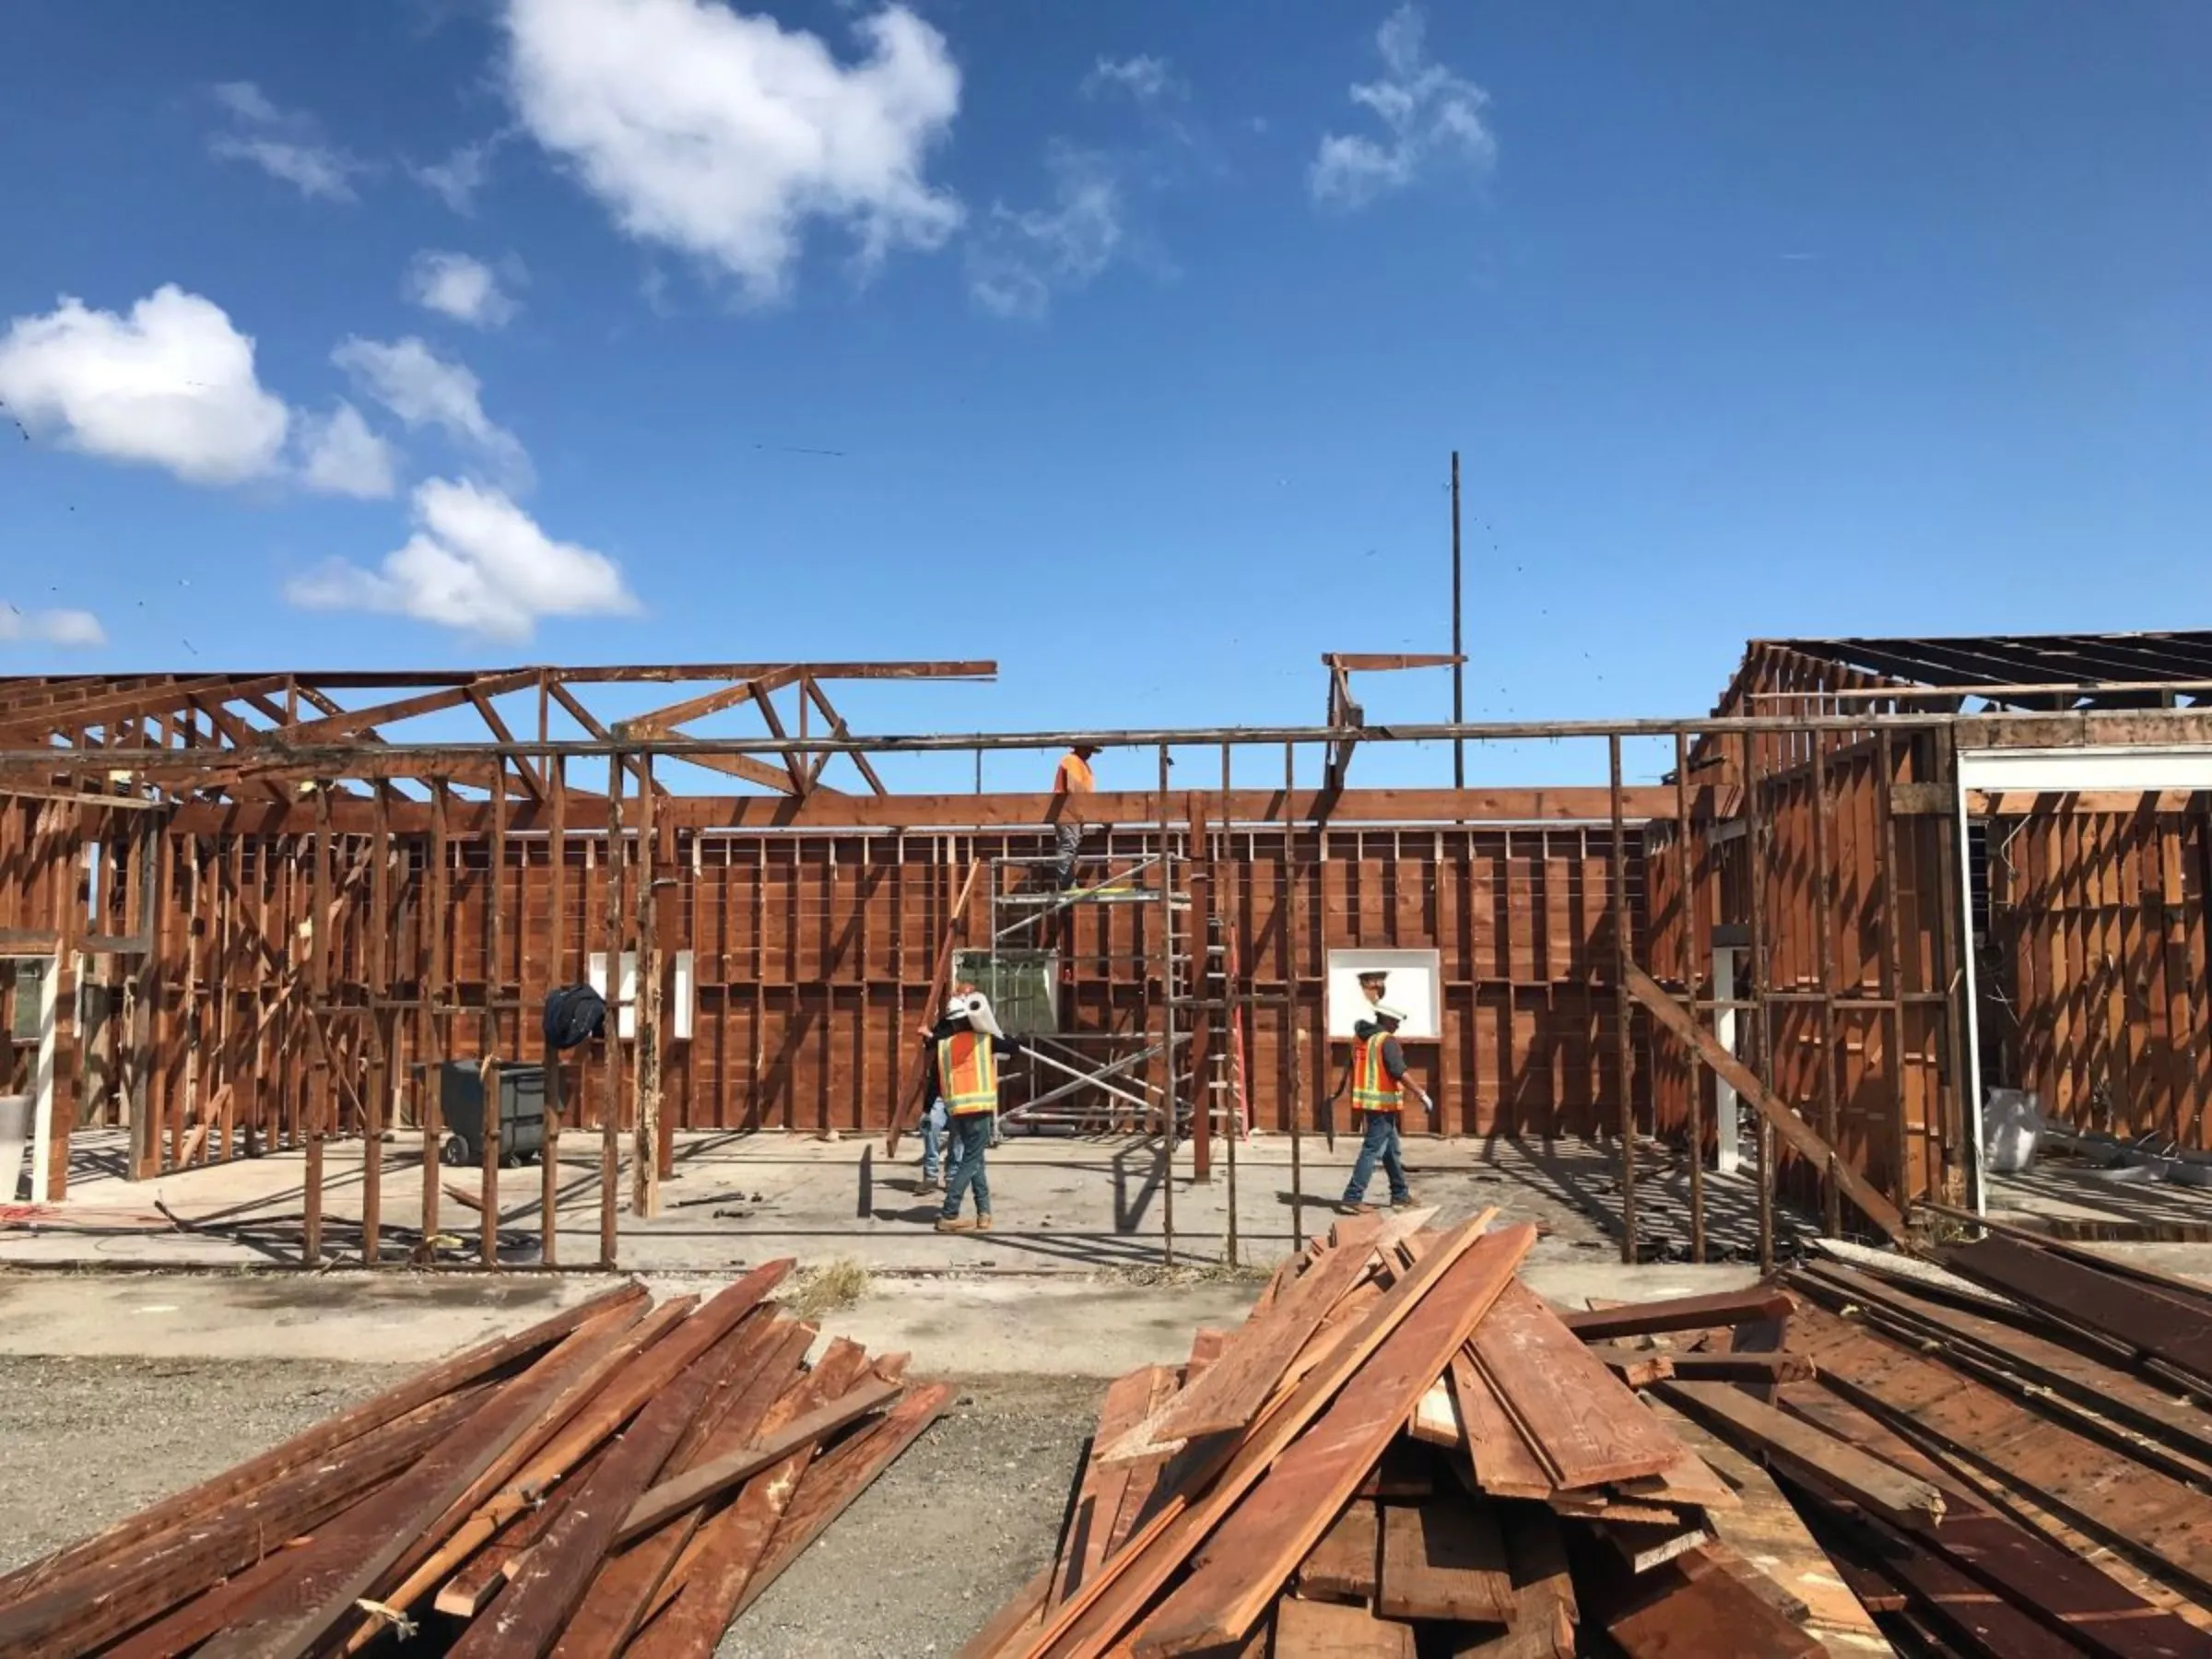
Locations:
(41, 1075)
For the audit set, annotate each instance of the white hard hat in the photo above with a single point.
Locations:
(1385, 1011)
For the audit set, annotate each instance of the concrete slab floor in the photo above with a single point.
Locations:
(1061, 1205)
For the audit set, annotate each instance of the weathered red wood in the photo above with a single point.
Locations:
(1444, 1559)
(1585, 1426)
(1677, 1314)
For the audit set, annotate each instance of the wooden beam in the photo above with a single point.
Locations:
(1794, 1129)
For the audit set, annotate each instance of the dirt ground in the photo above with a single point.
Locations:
(915, 1567)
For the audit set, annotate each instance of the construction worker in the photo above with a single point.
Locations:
(1379, 1088)
(1071, 779)
(964, 1076)
(933, 1122)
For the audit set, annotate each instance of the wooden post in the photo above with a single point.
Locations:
(1687, 873)
(1954, 940)
(1823, 896)
(645, 1156)
(1755, 863)
(318, 1014)
(1199, 922)
(377, 973)
(556, 883)
(610, 1126)
(65, 850)
(488, 1028)
(1893, 944)
(1623, 1069)
(429, 1063)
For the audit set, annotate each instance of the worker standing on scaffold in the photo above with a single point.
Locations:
(964, 1077)
(1071, 781)
(1379, 1088)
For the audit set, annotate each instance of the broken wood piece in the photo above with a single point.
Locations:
(1435, 1421)
(1681, 1614)
(1645, 1545)
(1759, 1369)
(1757, 1427)
(1586, 1427)
(1641, 1370)
(1443, 1559)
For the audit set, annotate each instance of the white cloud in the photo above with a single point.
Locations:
(1143, 77)
(79, 629)
(423, 389)
(171, 385)
(463, 288)
(344, 457)
(285, 144)
(456, 180)
(477, 561)
(1020, 260)
(722, 135)
(1427, 110)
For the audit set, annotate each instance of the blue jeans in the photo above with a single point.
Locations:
(933, 1138)
(964, 1168)
(1381, 1141)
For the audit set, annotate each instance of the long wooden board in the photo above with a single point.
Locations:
(2170, 1328)
(1588, 1428)
(1504, 1466)
(1261, 1542)
(1444, 1559)
(1345, 1565)
(1332, 1631)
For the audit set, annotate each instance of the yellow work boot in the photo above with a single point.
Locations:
(954, 1224)
(982, 1223)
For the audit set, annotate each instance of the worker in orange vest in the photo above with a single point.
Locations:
(934, 1124)
(1379, 1089)
(964, 1076)
(1073, 778)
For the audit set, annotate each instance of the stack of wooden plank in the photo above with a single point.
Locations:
(623, 1477)
(1402, 1451)
(2004, 1447)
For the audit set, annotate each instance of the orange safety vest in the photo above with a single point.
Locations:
(1372, 1086)
(1074, 776)
(967, 1073)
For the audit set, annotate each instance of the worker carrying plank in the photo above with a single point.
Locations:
(1073, 778)
(1379, 1088)
(964, 1077)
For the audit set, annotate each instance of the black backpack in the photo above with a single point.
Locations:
(574, 1014)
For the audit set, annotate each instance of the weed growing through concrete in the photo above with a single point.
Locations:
(829, 1288)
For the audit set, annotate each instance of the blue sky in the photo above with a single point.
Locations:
(1136, 337)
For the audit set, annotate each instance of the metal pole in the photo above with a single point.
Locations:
(1824, 895)
(1755, 855)
(1693, 950)
(1459, 666)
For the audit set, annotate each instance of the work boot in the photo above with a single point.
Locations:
(1354, 1206)
(930, 1184)
(954, 1224)
(1402, 1201)
(982, 1222)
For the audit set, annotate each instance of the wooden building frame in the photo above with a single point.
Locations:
(290, 905)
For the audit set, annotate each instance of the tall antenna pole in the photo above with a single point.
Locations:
(1459, 664)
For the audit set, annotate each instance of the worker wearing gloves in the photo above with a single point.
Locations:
(1073, 778)
(1379, 1088)
(964, 1077)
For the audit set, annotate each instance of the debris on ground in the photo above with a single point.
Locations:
(830, 1288)
(1404, 1450)
(618, 1468)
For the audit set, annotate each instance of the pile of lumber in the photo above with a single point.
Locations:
(623, 1477)
(1405, 1451)
(2004, 1447)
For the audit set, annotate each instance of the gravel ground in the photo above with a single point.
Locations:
(915, 1567)
(943, 1537)
(90, 1441)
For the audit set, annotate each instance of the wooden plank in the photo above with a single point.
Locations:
(1705, 1368)
(345, 1429)
(1143, 1478)
(2146, 1514)
(1743, 1421)
(672, 1498)
(1681, 1616)
(1435, 1421)
(1347, 1562)
(1677, 1314)
(1644, 1545)
(1229, 1395)
(1505, 1467)
(1260, 1542)
(1794, 1129)
(1443, 1559)
(1541, 1622)
(1305, 1630)
(2174, 1329)
(1198, 1496)
(343, 1563)
(1586, 1428)
(1098, 1497)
